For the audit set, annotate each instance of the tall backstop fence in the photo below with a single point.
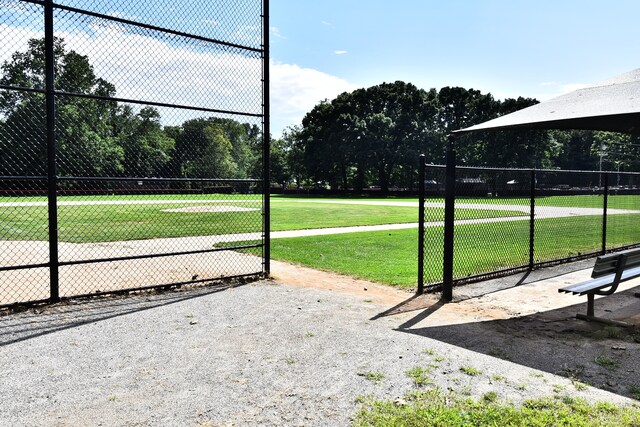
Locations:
(134, 145)
(484, 223)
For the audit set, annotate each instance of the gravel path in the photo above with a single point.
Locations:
(261, 354)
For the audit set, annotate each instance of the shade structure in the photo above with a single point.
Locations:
(613, 105)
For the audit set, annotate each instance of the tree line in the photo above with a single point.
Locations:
(373, 136)
(99, 137)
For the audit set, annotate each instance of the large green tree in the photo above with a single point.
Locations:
(148, 149)
(86, 143)
(203, 150)
(368, 136)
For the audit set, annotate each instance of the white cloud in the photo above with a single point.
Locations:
(168, 71)
(340, 52)
(275, 32)
(328, 24)
(296, 90)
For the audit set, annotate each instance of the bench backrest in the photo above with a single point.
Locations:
(608, 264)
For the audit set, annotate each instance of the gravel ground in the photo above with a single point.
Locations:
(257, 354)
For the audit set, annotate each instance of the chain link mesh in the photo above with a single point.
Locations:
(494, 234)
(158, 145)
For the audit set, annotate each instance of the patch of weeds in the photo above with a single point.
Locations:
(361, 399)
(309, 334)
(466, 391)
(609, 332)
(580, 386)
(536, 374)
(557, 388)
(419, 375)
(497, 377)
(521, 387)
(429, 351)
(368, 300)
(189, 315)
(606, 362)
(490, 397)
(434, 365)
(112, 398)
(568, 372)
(290, 360)
(437, 408)
(634, 391)
(470, 370)
(500, 354)
(374, 377)
(439, 359)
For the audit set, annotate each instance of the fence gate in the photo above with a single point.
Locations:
(133, 145)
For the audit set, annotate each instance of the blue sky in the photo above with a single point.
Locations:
(320, 48)
(510, 48)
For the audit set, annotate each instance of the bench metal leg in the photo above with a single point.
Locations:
(603, 320)
(591, 315)
(637, 294)
(590, 300)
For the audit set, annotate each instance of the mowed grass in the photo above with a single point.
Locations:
(105, 223)
(434, 408)
(390, 257)
(119, 222)
(302, 214)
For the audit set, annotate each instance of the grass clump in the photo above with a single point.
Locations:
(606, 362)
(433, 408)
(374, 377)
(490, 397)
(469, 370)
(419, 375)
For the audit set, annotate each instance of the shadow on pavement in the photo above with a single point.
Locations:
(600, 355)
(39, 321)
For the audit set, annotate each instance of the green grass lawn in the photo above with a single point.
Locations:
(434, 408)
(107, 222)
(298, 215)
(386, 256)
(390, 257)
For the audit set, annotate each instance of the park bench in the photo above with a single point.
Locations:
(608, 272)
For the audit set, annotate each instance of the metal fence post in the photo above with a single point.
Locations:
(449, 211)
(421, 230)
(532, 213)
(52, 181)
(605, 203)
(266, 128)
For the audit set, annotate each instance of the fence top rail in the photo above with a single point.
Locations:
(483, 168)
(146, 26)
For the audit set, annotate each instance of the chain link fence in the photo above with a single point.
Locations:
(511, 220)
(133, 145)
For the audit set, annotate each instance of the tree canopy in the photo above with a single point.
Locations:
(100, 137)
(373, 136)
